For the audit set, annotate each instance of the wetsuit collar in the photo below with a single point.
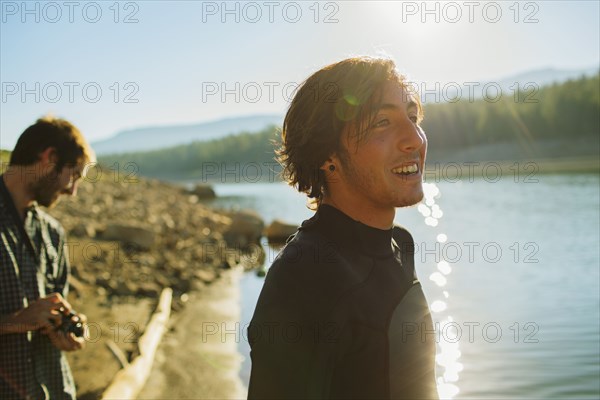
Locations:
(340, 228)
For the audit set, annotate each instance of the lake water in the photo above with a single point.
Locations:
(511, 272)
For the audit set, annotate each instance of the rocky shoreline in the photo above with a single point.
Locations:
(127, 240)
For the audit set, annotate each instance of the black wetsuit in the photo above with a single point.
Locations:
(342, 315)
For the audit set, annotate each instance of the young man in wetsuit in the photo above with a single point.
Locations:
(47, 162)
(342, 313)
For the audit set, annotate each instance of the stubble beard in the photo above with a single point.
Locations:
(399, 197)
(46, 191)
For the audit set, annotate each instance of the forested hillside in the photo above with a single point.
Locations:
(560, 120)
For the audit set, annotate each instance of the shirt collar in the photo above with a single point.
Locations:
(347, 232)
(8, 200)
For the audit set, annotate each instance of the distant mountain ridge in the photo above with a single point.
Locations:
(157, 137)
(547, 76)
(528, 80)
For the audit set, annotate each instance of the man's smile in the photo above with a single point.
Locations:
(408, 168)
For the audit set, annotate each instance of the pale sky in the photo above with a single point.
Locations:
(190, 61)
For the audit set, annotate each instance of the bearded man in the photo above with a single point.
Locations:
(48, 161)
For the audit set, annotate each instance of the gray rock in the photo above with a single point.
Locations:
(140, 237)
(125, 288)
(278, 231)
(206, 275)
(83, 229)
(148, 289)
(203, 192)
(246, 228)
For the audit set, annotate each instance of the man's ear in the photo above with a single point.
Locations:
(334, 160)
(48, 157)
(325, 167)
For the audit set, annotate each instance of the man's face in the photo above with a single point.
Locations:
(47, 189)
(385, 168)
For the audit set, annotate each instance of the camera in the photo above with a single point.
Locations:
(71, 323)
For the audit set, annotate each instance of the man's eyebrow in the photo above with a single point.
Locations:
(390, 106)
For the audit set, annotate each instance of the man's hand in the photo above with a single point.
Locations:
(42, 313)
(66, 341)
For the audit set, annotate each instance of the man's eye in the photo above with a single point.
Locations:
(381, 122)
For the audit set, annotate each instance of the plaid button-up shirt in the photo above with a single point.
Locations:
(30, 366)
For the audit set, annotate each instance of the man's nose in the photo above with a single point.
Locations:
(71, 190)
(411, 138)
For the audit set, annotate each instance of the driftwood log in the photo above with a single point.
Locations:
(130, 380)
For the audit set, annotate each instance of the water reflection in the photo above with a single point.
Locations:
(448, 353)
(438, 306)
(424, 210)
(431, 221)
(438, 278)
(444, 267)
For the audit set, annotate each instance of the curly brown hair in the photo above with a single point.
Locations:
(339, 96)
